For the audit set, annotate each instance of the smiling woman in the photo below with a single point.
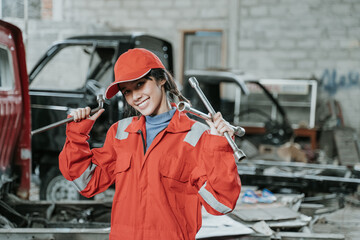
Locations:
(165, 166)
(146, 95)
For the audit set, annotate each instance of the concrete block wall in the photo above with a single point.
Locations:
(305, 39)
(41, 34)
(269, 38)
(163, 18)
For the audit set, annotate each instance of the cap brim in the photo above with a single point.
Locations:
(113, 88)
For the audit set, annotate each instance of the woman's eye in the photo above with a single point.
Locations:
(126, 92)
(139, 84)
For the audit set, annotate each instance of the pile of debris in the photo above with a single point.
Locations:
(264, 215)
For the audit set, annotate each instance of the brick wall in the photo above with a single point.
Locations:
(46, 9)
(269, 38)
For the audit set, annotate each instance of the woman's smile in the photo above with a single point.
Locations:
(146, 95)
(143, 104)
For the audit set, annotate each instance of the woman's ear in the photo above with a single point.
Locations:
(162, 82)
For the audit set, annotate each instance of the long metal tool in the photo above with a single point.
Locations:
(185, 107)
(238, 153)
(100, 100)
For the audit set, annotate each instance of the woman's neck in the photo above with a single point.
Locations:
(165, 104)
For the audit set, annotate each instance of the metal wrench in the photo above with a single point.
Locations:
(238, 153)
(100, 100)
(185, 107)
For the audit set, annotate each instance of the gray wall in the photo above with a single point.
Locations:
(269, 38)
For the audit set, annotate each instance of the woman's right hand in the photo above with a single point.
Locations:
(84, 113)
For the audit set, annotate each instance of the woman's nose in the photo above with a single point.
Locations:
(136, 95)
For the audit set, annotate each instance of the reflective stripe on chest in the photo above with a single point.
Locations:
(192, 137)
(122, 125)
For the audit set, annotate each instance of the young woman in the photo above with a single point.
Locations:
(165, 166)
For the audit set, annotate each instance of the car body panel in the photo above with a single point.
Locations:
(15, 140)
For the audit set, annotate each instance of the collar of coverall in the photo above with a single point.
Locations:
(179, 123)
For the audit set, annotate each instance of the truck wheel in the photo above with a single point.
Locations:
(54, 187)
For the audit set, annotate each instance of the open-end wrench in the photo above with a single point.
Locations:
(238, 153)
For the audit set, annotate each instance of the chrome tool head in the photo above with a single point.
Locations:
(193, 82)
(183, 106)
(100, 99)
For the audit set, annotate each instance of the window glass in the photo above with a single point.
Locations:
(67, 70)
(101, 68)
(7, 81)
(15, 8)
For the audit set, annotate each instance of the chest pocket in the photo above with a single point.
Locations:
(175, 175)
(123, 163)
(175, 168)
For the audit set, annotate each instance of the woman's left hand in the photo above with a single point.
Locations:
(219, 126)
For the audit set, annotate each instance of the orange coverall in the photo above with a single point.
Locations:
(158, 193)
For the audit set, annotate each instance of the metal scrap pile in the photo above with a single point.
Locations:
(283, 216)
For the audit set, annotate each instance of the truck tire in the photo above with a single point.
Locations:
(54, 187)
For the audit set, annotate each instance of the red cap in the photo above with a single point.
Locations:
(132, 65)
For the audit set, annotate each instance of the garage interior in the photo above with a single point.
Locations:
(287, 72)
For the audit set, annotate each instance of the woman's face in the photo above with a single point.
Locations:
(146, 96)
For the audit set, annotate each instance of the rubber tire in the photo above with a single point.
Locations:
(54, 187)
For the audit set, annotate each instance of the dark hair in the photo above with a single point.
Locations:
(171, 89)
(170, 86)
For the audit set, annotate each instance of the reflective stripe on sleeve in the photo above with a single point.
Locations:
(81, 182)
(193, 136)
(212, 201)
(122, 125)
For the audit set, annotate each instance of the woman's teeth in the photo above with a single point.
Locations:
(143, 103)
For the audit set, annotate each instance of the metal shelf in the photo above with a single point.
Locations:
(298, 97)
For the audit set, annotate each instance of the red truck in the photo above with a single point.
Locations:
(15, 125)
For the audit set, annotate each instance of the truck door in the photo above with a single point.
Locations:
(71, 75)
(14, 110)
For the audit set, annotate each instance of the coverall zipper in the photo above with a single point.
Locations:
(143, 140)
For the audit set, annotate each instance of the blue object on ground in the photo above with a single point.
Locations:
(267, 196)
(249, 197)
